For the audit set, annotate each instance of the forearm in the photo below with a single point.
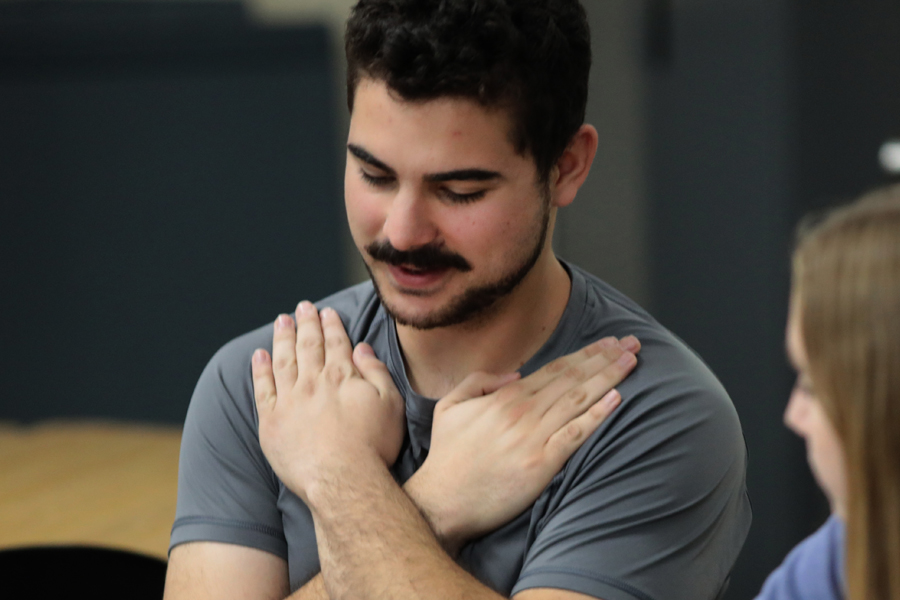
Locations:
(314, 589)
(444, 533)
(374, 543)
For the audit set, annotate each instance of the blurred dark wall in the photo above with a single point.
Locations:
(848, 56)
(759, 111)
(168, 181)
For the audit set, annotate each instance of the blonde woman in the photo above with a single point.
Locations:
(843, 338)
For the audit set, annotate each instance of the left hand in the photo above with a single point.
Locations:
(322, 404)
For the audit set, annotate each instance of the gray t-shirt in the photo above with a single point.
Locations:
(652, 506)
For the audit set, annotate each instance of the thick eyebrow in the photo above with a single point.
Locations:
(463, 175)
(457, 175)
(366, 157)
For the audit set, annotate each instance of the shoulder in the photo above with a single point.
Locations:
(227, 377)
(670, 376)
(227, 491)
(661, 483)
(357, 305)
(674, 409)
(812, 570)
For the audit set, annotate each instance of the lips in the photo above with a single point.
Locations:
(413, 278)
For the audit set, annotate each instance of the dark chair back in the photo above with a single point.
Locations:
(52, 572)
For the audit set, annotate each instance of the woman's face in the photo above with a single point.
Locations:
(806, 417)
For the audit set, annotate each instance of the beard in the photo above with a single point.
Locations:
(472, 304)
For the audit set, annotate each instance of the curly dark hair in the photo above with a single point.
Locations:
(530, 57)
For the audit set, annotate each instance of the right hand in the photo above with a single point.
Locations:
(322, 404)
(496, 443)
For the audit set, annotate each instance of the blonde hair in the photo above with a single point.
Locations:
(847, 279)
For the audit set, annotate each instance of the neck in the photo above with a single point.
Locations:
(501, 341)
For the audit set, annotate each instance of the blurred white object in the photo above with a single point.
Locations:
(889, 156)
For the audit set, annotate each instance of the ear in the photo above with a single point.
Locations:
(573, 166)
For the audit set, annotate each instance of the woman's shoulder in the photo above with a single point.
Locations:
(813, 569)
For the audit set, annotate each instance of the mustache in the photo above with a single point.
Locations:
(424, 257)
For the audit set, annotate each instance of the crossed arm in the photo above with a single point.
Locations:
(331, 421)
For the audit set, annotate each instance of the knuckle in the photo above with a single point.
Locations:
(572, 432)
(557, 366)
(576, 395)
(333, 342)
(334, 374)
(285, 362)
(260, 394)
(612, 351)
(516, 412)
(308, 342)
(307, 386)
(574, 372)
(597, 348)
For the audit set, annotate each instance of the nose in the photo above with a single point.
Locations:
(408, 223)
(795, 412)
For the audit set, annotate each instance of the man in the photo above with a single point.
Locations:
(322, 466)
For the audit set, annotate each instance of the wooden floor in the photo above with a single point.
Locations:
(109, 484)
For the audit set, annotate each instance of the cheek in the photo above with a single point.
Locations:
(485, 229)
(365, 214)
(827, 454)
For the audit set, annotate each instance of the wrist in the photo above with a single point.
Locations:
(437, 512)
(338, 481)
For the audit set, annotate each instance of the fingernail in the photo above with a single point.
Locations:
(259, 357)
(510, 377)
(608, 342)
(365, 349)
(282, 321)
(611, 398)
(305, 307)
(327, 312)
(627, 359)
(630, 343)
(608, 402)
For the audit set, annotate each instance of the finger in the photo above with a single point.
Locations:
(309, 348)
(567, 439)
(337, 344)
(373, 370)
(630, 343)
(479, 384)
(284, 355)
(552, 370)
(582, 397)
(263, 381)
(568, 382)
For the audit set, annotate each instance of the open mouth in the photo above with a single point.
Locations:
(415, 277)
(413, 270)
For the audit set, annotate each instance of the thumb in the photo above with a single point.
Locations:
(373, 370)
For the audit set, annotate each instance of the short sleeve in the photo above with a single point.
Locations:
(227, 492)
(654, 505)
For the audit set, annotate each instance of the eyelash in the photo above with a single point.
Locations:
(373, 180)
(378, 182)
(464, 198)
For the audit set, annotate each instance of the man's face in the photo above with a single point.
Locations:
(447, 216)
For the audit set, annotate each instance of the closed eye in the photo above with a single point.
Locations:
(376, 180)
(458, 198)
